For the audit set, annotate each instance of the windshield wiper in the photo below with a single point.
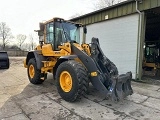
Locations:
(66, 34)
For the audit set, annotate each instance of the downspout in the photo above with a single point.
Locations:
(139, 39)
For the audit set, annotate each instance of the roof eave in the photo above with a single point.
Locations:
(100, 10)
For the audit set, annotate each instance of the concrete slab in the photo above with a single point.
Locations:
(9, 109)
(27, 92)
(2, 88)
(41, 108)
(125, 105)
(146, 92)
(10, 82)
(74, 117)
(94, 95)
(137, 98)
(129, 118)
(90, 110)
(46, 87)
(1, 104)
(153, 103)
(17, 117)
(146, 86)
(14, 90)
(132, 109)
(4, 97)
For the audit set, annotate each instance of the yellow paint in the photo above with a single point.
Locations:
(48, 66)
(48, 51)
(93, 74)
(38, 48)
(66, 81)
(49, 63)
(66, 47)
(31, 71)
(24, 63)
(86, 48)
(46, 69)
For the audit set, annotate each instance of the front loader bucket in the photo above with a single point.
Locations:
(116, 89)
(121, 87)
(4, 60)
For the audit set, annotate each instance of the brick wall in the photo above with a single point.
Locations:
(17, 53)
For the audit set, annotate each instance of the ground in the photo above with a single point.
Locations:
(21, 100)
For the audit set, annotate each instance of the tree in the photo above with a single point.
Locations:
(105, 3)
(21, 38)
(75, 15)
(26, 47)
(5, 34)
(32, 43)
(14, 47)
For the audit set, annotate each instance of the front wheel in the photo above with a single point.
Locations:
(34, 75)
(72, 80)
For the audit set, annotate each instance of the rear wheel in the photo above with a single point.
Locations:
(34, 74)
(72, 80)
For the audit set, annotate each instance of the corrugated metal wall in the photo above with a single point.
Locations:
(117, 11)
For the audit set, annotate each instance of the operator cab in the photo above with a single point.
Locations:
(58, 31)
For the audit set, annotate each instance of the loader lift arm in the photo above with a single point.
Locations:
(107, 80)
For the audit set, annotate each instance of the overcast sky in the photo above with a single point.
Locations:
(23, 16)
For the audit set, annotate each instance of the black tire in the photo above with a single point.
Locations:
(8, 65)
(79, 80)
(36, 79)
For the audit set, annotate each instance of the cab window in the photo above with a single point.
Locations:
(59, 35)
(50, 33)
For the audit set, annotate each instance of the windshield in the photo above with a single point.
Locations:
(70, 31)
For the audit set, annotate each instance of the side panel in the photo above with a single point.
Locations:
(118, 40)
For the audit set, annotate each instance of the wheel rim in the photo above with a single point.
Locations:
(31, 71)
(65, 81)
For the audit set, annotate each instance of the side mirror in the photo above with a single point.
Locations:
(85, 29)
(40, 33)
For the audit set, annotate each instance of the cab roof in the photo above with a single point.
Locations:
(60, 19)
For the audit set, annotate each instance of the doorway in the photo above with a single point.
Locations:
(151, 48)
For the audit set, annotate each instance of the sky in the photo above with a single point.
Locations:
(23, 16)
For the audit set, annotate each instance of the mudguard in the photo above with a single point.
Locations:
(38, 56)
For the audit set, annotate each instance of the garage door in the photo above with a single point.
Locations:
(118, 40)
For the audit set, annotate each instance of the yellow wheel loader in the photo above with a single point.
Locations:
(74, 65)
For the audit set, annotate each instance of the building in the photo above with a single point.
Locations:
(124, 31)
